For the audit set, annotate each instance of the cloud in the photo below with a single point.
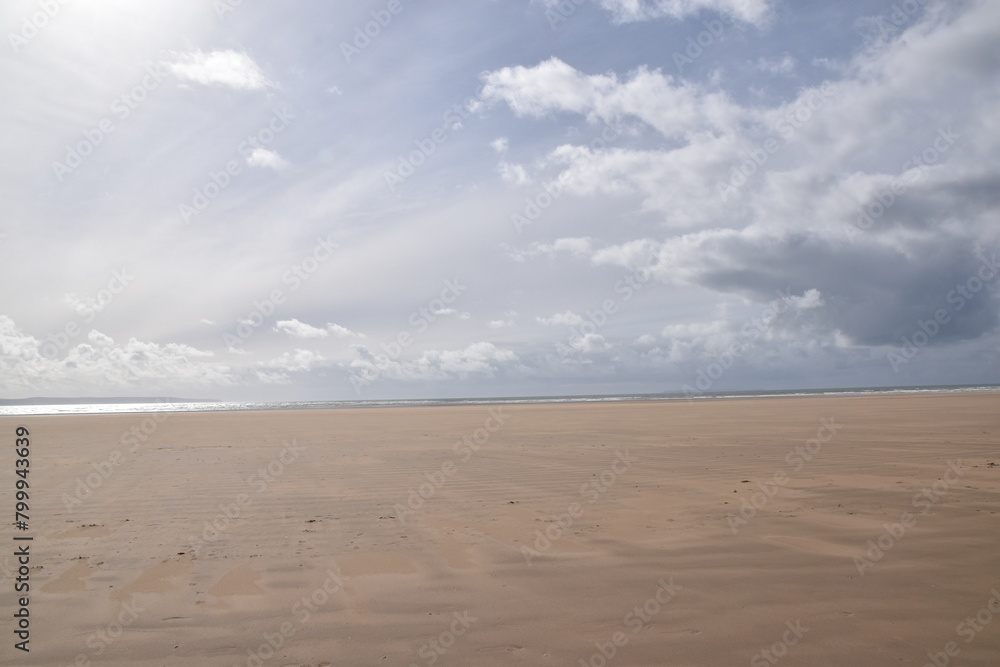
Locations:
(628, 11)
(499, 145)
(810, 299)
(569, 318)
(451, 311)
(514, 174)
(674, 107)
(235, 69)
(97, 338)
(30, 365)
(590, 342)
(500, 324)
(478, 359)
(88, 305)
(299, 329)
(272, 377)
(342, 332)
(577, 247)
(550, 86)
(262, 157)
(632, 254)
(882, 296)
(297, 361)
(776, 66)
(839, 148)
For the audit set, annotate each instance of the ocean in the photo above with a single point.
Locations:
(113, 407)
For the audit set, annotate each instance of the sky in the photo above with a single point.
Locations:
(401, 199)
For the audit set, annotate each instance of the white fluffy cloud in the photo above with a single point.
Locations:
(298, 329)
(235, 69)
(31, 366)
(515, 174)
(758, 198)
(342, 332)
(262, 157)
(674, 107)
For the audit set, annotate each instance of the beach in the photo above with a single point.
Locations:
(820, 531)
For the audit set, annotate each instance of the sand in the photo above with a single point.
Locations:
(796, 531)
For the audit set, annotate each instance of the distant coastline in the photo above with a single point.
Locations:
(41, 400)
(56, 406)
